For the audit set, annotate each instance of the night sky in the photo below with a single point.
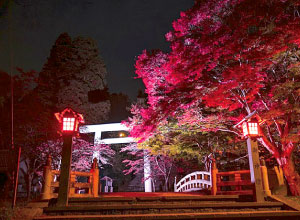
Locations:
(122, 29)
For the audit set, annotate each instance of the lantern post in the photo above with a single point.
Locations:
(251, 131)
(69, 121)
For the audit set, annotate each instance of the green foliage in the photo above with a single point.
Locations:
(188, 142)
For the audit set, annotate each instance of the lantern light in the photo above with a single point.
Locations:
(250, 128)
(122, 134)
(68, 124)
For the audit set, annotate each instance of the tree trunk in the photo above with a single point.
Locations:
(284, 159)
(8, 187)
(292, 177)
(29, 182)
(166, 184)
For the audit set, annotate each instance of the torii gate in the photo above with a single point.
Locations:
(98, 129)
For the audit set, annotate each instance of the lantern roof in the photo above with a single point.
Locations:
(70, 113)
(252, 116)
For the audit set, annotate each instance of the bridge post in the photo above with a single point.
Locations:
(46, 192)
(72, 181)
(95, 178)
(264, 172)
(238, 178)
(213, 177)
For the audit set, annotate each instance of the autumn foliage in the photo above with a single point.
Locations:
(228, 59)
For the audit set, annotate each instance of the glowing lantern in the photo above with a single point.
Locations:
(122, 134)
(68, 124)
(69, 120)
(251, 128)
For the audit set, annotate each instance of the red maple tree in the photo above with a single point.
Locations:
(235, 56)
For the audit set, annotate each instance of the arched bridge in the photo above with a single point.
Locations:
(193, 182)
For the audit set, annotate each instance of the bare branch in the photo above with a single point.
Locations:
(269, 134)
(278, 128)
(227, 130)
(269, 146)
(159, 166)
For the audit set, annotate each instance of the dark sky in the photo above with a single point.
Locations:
(122, 29)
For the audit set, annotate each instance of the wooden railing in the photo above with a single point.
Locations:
(230, 183)
(51, 183)
(193, 182)
(234, 182)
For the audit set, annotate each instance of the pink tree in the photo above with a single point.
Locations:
(161, 165)
(82, 154)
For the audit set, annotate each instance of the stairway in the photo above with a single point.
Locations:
(166, 206)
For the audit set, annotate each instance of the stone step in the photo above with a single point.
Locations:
(169, 206)
(162, 208)
(149, 199)
(262, 215)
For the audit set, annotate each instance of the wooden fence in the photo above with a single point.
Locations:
(234, 182)
(76, 189)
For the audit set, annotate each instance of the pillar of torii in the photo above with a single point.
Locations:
(98, 129)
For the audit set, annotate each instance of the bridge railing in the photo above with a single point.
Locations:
(230, 183)
(194, 181)
(234, 182)
(51, 182)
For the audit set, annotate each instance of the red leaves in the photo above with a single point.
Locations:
(219, 52)
(238, 86)
(228, 58)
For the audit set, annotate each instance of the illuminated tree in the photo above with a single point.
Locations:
(161, 165)
(231, 57)
(34, 158)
